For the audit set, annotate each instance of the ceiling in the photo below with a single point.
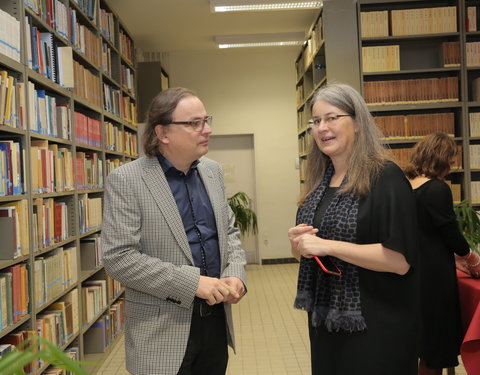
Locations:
(189, 25)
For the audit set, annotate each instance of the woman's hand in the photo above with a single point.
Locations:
(309, 245)
(295, 233)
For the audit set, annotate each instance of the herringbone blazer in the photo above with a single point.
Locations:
(145, 248)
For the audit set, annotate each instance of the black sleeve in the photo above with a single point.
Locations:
(439, 204)
(388, 215)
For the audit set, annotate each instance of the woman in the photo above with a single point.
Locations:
(440, 239)
(357, 208)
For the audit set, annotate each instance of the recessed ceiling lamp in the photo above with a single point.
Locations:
(260, 40)
(260, 5)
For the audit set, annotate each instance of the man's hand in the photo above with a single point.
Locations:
(237, 286)
(214, 290)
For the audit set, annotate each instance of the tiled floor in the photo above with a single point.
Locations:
(271, 336)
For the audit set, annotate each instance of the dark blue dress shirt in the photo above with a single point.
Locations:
(197, 215)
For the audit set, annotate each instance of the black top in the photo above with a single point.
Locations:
(440, 238)
(389, 301)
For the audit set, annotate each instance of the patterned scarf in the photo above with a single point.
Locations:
(332, 300)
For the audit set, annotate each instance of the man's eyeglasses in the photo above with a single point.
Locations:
(197, 125)
(330, 120)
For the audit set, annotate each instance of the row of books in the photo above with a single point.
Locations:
(474, 156)
(416, 125)
(107, 59)
(112, 100)
(13, 295)
(381, 58)
(410, 91)
(89, 213)
(54, 272)
(105, 329)
(14, 229)
(313, 44)
(89, 7)
(451, 54)
(12, 101)
(473, 53)
(131, 147)
(107, 25)
(127, 79)
(53, 13)
(128, 110)
(471, 21)
(432, 20)
(18, 340)
(474, 124)
(88, 171)
(115, 287)
(51, 167)
(47, 116)
(94, 294)
(9, 36)
(84, 40)
(475, 191)
(112, 164)
(12, 178)
(87, 84)
(87, 130)
(114, 137)
(51, 221)
(304, 143)
(48, 57)
(126, 47)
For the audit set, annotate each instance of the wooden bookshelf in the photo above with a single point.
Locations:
(417, 77)
(432, 83)
(328, 54)
(61, 144)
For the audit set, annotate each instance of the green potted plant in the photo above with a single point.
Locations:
(245, 217)
(37, 348)
(469, 223)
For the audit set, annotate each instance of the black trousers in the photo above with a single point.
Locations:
(207, 348)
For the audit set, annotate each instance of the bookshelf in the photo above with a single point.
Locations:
(68, 116)
(328, 43)
(416, 76)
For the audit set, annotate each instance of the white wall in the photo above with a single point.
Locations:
(253, 91)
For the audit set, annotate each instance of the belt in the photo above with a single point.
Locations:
(203, 309)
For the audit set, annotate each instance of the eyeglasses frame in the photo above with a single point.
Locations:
(206, 120)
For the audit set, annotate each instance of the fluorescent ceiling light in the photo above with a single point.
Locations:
(261, 5)
(261, 44)
(260, 40)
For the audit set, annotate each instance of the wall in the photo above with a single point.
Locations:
(253, 91)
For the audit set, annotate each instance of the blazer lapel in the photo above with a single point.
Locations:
(156, 182)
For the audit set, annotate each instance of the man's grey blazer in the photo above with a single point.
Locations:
(145, 248)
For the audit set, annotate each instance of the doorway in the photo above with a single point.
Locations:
(235, 153)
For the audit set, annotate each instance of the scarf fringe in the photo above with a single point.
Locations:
(303, 301)
(335, 322)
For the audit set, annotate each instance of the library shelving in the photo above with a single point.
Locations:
(68, 117)
(414, 76)
(329, 44)
(418, 69)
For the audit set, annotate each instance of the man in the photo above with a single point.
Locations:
(168, 236)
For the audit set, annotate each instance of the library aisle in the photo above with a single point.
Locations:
(272, 337)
